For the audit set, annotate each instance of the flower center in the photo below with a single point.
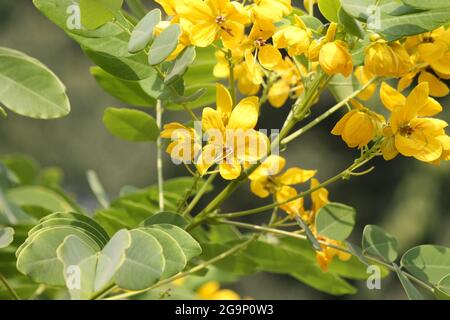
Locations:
(220, 20)
(260, 42)
(406, 130)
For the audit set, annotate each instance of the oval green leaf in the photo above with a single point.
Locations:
(143, 32)
(131, 125)
(6, 236)
(379, 243)
(429, 263)
(29, 88)
(335, 221)
(164, 45)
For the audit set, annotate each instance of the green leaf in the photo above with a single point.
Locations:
(429, 263)
(189, 245)
(94, 226)
(35, 196)
(330, 9)
(394, 27)
(164, 45)
(25, 168)
(410, 290)
(74, 252)
(144, 262)
(395, 20)
(111, 54)
(29, 88)
(143, 32)
(131, 125)
(61, 222)
(166, 218)
(429, 4)
(379, 243)
(181, 65)
(175, 259)
(444, 287)
(298, 260)
(37, 258)
(350, 24)
(6, 236)
(95, 13)
(129, 92)
(325, 282)
(335, 221)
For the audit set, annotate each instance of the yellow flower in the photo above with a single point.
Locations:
(211, 291)
(269, 11)
(232, 139)
(265, 180)
(295, 39)
(431, 55)
(268, 55)
(359, 126)
(335, 58)
(208, 20)
(387, 59)
(411, 132)
(325, 257)
(184, 146)
(289, 83)
(333, 55)
(246, 85)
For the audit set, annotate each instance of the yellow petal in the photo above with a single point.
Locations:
(224, 102)
(388, 148)
(269, 56)
(259, 189)
(414, 102)
(253, 69)
(203, 34)
(270, 167)
(211, 120)
(431, 108)
(296, 176)
(284, 194)
(279, 93)
(390, 97)
(245, 114)
(230, 171)
(340, 126)
(437, 87)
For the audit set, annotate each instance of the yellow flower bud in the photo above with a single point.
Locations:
(359, 126)
(335, 58)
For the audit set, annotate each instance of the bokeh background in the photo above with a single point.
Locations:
(408, 198)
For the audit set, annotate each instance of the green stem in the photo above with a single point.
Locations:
(9, 288)
(159, 162)
(325, 115)
(197, 268)
(301, 195)
(200, 194)
(188, 194)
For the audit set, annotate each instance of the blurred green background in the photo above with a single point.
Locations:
(408, 198)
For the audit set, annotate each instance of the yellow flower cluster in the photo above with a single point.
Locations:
(262, 45)
(409, 131)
